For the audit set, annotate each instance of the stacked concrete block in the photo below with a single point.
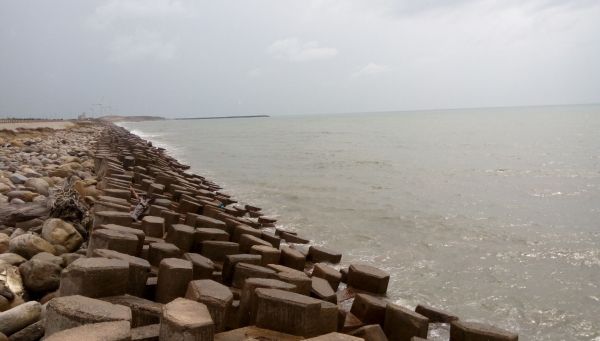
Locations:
(216, 296)
(173, 277)
(184, 319)
(95, 277)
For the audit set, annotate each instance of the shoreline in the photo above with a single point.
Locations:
(206, 246)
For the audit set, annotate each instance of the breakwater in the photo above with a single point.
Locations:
(198, 264)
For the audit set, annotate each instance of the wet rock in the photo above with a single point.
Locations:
(39, 185)
(19, 317)
(465, 331)
(402, 324)
(28, 245)
(59, 232)
(368, 278)
(40, 276)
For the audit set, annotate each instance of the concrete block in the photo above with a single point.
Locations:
(247, 241)
(402, 324)
(243, 271)
(231, 260)
(159, 251)
(473, 331)
(318, 254)
(271, 238)
(368, 278)
(217, 250)
(369, 309)
(203, 267)
(269, 255)
(184, 319)
(241, 229)
(321, 289)
(435, 315)
(104, 331)
(146, 333)
(138, 270)
(153, 226)
(328, 273)
(372, 332)
(201, 221)
(335, 336)
(247, 309)
(205, 233)
(174, 274)
(138, 233)
(72, 311)
(292, 258)
(255, 333)
(95, 277)
(181, 236)
(112, 217)
(113, 240)
(217, 298)
(143, 312)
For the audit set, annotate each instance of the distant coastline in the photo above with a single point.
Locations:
(221, 117)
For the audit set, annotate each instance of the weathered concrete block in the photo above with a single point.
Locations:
(435, 315)
(174, 274)
(368, 278)
(318, 254)
(143, 312)
(292, 258)
(105, 331)
(181, 236)
(473, 331)
(146, 333)
(369, 309)
(269, 255)
(372, 332)
(335, 336)
(241, 229)
(95, 277)
(139, 269)
(153, 226)
(113, 240)
(189, 206)
(328, 273)
(200, 221)
(19, 317)
(124, 229)
(217, 298)
(118, 193)
(292, 238)
(185, 319)
(271, 238)
(159, 251)
(171, 218)
(217, 250)
(293, 313)
(321, 289)
(255, 333)
(247, 241)
(112, 217)
(204, 233)
(243, 271)
(402, 324)
(231, 260)
(72, 311)
(203, 267)
(247, 310)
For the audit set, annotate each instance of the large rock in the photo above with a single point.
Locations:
(59, 232)
(105, 331)
(39, 185)
(40, 276)
(184, 319)
(4, 243)
(72, 311)
(28, 245)
(19, 317)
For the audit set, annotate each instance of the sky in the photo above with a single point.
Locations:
(179, 58)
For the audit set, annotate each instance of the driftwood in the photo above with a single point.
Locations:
(12, 214)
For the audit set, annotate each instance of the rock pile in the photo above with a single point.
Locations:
(199, 266)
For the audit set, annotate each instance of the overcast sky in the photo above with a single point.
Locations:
(197, 58)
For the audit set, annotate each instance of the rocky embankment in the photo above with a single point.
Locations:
(74, 264)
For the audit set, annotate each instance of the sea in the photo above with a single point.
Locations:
(491, 214)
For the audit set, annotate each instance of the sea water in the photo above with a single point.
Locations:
(491, 214)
